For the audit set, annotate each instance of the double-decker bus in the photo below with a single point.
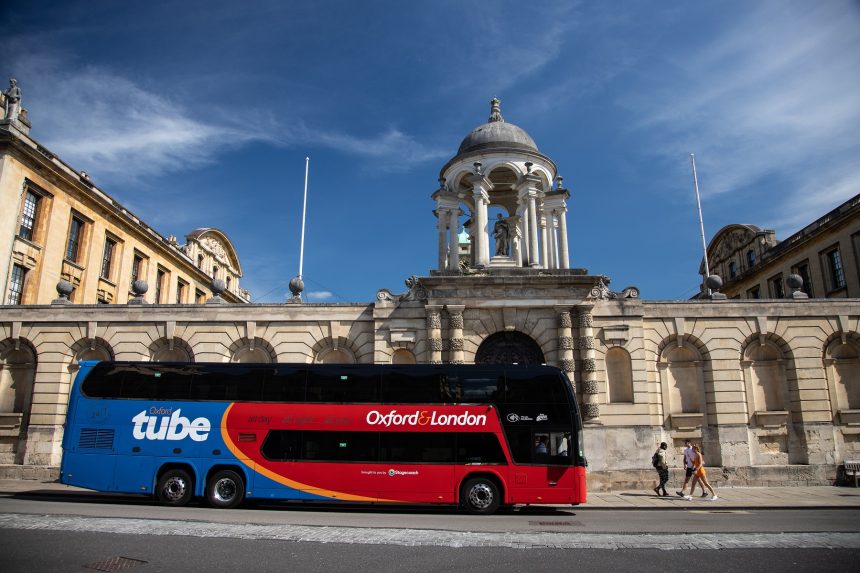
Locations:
(474, 435)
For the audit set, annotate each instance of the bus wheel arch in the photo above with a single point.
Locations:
(175, 484)
(481, 493)
(225, 486)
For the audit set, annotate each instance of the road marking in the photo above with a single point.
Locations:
(421, 537)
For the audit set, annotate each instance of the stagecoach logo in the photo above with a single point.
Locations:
(393, 472)
(169, 426)
(425, 418)
(517, 418)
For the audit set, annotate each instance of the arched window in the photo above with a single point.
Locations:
(619, 376)
(199, 261)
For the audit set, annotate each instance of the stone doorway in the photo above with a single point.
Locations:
(509, 348)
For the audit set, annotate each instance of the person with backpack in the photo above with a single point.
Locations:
(658, 460)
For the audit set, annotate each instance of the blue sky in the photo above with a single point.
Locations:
(200, 114)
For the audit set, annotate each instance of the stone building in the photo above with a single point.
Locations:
(824, 255)
(57, 225)
(771, 388)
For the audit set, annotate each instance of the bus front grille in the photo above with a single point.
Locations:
(96, 439)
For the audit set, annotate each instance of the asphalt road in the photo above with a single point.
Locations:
(82, 531)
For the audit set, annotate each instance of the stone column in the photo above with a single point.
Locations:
(481, 244)
(565, 345)
(563, 255)
(591, 406)
(534, 255)
(455, 321)
(454, 240)
(544, 242)
(553, 241)
(434, 333)
(443, 243)
(524, 236)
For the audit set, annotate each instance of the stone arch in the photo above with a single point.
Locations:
(842, 367)
(619, 376)
(403, 356)
(770, 380)
(334, 351)
(89, 349)
(683, 363)
(18, 360)
(509, 347)
(170, 350)
(252, 351)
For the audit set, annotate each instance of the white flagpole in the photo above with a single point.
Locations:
(304, 211)
(701, 223)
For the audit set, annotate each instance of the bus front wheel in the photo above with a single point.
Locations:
(480, 496)
(226, 489)
(175, 487)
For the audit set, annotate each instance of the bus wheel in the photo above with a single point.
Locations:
(226, 489)
(175, 487)
(480, 495)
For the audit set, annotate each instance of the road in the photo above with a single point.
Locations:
(68, 531)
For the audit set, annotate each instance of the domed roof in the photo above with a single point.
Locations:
(496, 134)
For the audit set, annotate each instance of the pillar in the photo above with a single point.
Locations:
(455, 322)
(591, 405)
(443, 243)
(453, 240)
(434, 333)
(534, 256)
(565, 345)
(563, 254)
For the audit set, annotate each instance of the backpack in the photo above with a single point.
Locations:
(655, 460)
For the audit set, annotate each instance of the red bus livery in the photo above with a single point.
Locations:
(476, 436)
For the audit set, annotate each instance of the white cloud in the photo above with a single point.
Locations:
(320, 295)
(774, 94)
(116, 130)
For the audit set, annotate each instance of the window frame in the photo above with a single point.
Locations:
(75, 238)
(19, 299)
(108, 258)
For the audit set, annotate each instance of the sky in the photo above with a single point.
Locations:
(201, 113)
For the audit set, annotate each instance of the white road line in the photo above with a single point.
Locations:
(421, 537)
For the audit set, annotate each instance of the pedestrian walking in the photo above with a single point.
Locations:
(689, 456)
(699, 475)
(658, 460)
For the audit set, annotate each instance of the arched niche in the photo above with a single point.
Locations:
(403, 356)
(766, 383)
(682, 382)
(170, 350)
(619, 376)
(17, 376)
(335, 356)
(509, 348)
(89, 349)
(257, 351)
(842, 366)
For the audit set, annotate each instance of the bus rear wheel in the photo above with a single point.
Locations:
(175, 487)
(480, 496)
(226, 489)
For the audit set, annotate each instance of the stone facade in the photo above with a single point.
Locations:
(770, 388)
(825, 255)
(57, 225)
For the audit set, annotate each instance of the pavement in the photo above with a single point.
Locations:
(809, 497)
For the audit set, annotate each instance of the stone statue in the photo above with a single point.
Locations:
(13, 99)
(502, 234)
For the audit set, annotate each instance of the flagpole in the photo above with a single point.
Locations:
(701, 222)
(297, 285)
(304, 211)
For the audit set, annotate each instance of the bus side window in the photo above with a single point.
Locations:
(282, 445)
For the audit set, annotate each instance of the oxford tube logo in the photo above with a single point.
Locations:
(150, 426)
